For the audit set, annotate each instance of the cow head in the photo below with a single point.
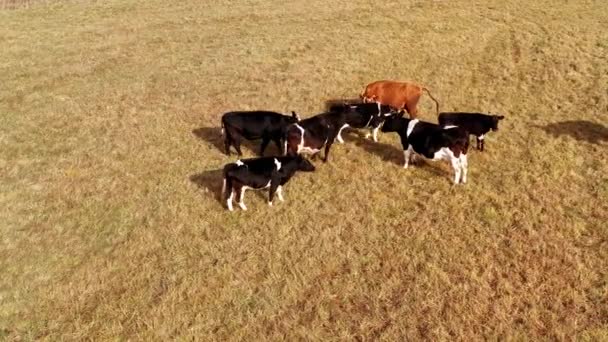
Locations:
(385, 113)
(294, 117)
(304, 164)
(394, 123)
(495, 120)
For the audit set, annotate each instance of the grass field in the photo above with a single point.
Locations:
(110, 221)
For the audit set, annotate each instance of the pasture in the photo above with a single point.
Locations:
(111, 225)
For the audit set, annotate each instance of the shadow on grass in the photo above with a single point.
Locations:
(387, 152)
(213, 136)
(337, 102)
(210, 181)
(578, 129)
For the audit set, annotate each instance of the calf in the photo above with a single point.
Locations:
(255, 125)
(362, 115)
(477, 124)
(398, 95)
(312, 134)
(261, 173)
(433, 142)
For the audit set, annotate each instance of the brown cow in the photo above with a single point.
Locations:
(398, 95)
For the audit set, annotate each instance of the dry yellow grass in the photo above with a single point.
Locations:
(110, 223)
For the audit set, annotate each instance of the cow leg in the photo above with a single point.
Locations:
(265, 141)
(456, 166)
(236, 142)
(413, 112)
(280, 193)
(375, 133)
(327, 147)
(241, 193)
(227, 141)
(407, 154)
(277, 142)
(464, 165)
(339, 136)
(274, 186)
(480, 142)
(227, 186)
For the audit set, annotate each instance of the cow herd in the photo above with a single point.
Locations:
(382, 108)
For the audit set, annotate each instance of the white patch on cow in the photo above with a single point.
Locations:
(446, 154)
(449, 126)
(301, 147)
(301, 144)
(222, 130)
(308, 150)
(379, 108)
(410, 127)
(280, 193)
(239, 163)
(224, 186)
(481, 137)
(375, 133)
(339, 136)
(285, 148)
(277, 163)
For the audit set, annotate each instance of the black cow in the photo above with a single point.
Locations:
(433, 142)
(312, 134)
(477, 124)
(362, 115)
(255, 125)
(261, 173)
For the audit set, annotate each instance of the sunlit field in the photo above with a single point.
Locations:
(111, 221)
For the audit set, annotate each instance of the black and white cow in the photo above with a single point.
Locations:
(261, 173)
(477, 124)
(362, 115)
(253, 125)
(433, 142)
(312, 134)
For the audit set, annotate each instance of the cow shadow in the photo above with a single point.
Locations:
(578, 129)
(213, 136)
(386, 151)
(210, 181)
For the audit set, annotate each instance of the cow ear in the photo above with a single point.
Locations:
(500, 117)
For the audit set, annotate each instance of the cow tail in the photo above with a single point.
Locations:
(432, 98)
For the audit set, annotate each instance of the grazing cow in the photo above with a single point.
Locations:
(261, 173)
(398, 95)
(433, 142)
(312, 134)
(255, 125)
(477, 124)
(362, 115)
